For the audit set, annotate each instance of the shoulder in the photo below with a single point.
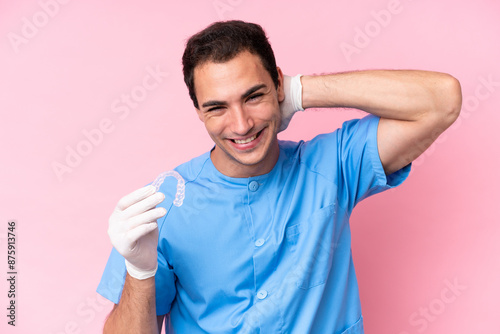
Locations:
(353, 133)
(172, 183)
(191, 169)
(311, 152)
(188, 171)
(325, 152)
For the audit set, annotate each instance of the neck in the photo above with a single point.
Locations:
(233, 168)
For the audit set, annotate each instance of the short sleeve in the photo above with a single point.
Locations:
(361, 169)
(113, 279)
(349, 158)
(165, 286)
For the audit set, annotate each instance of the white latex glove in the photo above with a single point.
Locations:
(293, 99)
(134, 232)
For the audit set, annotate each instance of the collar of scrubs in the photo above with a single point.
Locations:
(245, 180)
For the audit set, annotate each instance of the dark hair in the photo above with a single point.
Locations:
(221, 42)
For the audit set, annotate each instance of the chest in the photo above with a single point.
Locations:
(227, 238)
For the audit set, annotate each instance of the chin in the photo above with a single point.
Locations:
(249, 159)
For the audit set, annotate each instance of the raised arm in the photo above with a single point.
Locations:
(134, 234)
(415, 106)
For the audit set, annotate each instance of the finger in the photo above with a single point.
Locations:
(135, 197)
(140, 231)
(146, 217)
(144, 205)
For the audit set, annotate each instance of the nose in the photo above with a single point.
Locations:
(241, 121)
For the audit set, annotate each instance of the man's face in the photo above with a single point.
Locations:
(239, 104)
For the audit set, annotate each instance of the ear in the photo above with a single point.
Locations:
(281, 89)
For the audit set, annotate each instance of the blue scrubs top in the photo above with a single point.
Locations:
(270, 253)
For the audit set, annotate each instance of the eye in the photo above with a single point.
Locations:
(255, 96)
(214, 109)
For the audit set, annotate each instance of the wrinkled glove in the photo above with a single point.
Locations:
(134, 232)
(293, 99)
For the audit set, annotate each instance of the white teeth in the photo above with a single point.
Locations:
(246, 140)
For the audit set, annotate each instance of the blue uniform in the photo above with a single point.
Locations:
(270, 253)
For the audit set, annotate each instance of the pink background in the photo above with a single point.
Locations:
(67, 76)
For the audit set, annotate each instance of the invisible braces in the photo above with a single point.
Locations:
(181, 185)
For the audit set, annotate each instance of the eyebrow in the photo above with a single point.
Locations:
(244, 95)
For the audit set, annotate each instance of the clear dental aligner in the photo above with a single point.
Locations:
(179, 195)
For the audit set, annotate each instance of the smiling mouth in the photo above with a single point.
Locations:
(248, 140)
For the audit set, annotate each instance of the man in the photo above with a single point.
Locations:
(262, 242)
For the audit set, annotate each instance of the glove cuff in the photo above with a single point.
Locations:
(139, 273)
(296, 90)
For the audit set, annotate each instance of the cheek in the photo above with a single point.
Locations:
(267, 111)
(275, 114)
(214, 125)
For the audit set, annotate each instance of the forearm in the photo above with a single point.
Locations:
(395, 94)
(136, 311)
